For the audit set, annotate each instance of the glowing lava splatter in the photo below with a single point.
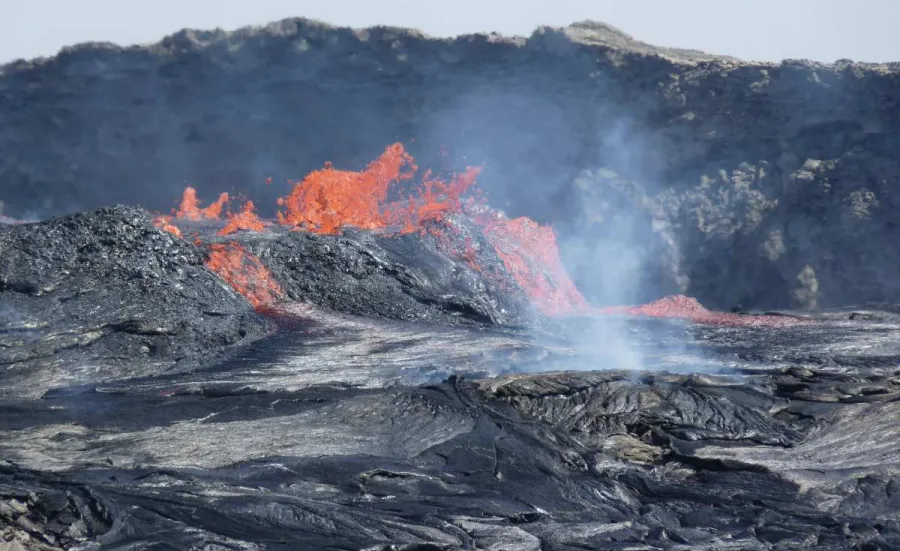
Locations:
(690, 309)
(165, 223)
(383, 198)
(531, 257)
(245, 273)
(245, 220)
(190, 207)
(329, 199)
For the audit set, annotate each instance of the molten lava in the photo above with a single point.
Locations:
(437, 198)
(329, 199)
(378, 198)
(688, 308)
(531, 257)
(245, 220)
(165, 223)
(245, 273)
(189, 209)
(190, 206)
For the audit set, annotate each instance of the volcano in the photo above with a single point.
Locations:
(377, 356)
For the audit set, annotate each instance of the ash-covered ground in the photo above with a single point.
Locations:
(389, 395)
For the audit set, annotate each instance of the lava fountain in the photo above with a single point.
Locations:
(387, 198)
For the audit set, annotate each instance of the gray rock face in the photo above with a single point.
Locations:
(745, 172)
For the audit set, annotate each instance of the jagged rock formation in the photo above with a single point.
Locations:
(767, 175)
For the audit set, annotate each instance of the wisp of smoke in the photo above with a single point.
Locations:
(614, 246)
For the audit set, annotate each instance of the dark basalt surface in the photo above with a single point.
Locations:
(103, 294)
(416, 276)
(772, 458)
(423, 431)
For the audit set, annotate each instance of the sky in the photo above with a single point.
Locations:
(763, 30)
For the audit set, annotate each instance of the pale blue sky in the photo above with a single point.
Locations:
(824, 30)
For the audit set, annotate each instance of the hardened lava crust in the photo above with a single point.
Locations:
(147, 405)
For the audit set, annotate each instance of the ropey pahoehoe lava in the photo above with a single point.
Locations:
(391, 363)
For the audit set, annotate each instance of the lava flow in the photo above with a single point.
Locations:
(245, 220)
(531, 256)
(690, 309)
(245, 273)
(328, 200)
(190, 206)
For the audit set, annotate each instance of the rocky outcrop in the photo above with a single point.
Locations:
(99, 295)
(751, 184)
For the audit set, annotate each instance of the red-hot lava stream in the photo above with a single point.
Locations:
(329, 199)
(245, 273)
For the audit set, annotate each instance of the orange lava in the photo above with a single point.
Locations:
(190, 206)
(689, 309)
(437, 198)
(245, 273)
(245, 220)
(383, 198)
(531, 257)
(165, 223)
(329, 199)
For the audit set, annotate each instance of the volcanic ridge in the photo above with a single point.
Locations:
(383, 360)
